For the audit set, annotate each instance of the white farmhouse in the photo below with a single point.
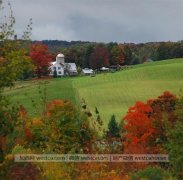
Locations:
(58, 65)
(61, 67)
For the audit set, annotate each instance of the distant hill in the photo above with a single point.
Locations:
(56, 45)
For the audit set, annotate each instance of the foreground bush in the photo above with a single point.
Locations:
(152, 173)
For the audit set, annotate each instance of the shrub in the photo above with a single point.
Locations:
(113, 129)
(151, 173)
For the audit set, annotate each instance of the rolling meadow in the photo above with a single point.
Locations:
(111, 93)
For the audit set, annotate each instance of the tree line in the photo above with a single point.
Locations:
(95, 55)
(36, 56)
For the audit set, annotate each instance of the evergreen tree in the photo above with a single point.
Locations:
(113, 129)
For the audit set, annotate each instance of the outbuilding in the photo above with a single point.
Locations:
(87, 71)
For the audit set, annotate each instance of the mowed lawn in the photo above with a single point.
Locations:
(111, 93)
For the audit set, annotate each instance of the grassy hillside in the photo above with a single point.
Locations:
(25, 92)
(111, 93)
(115, 92)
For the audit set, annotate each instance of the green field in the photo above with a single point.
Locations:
(111, 93)
(25, 92)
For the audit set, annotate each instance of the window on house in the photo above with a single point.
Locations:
(59, 67)
(59, 72)
(54, 68)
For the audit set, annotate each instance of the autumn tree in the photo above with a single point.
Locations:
(13, 63)
(62, 129)
(149, 123)
(117, 55)
(139, 127)
(163, 114)
(100, 57)
(41, 58)
(128, 54)
(14, 59)
(152, 127)
(167, 120)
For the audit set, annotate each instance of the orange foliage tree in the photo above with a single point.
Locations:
(139, 127)
(117, 55)
(146, 123)
(61, 129)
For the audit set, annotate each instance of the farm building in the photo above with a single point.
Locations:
(87, 71)
(61, 68)
(70, 69)
(104, 69)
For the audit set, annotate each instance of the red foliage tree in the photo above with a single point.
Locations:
(41, 58)
(163, 112)
(100, 57)
(164, 103)
(146, 123)
(139, 127)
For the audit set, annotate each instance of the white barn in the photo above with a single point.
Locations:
(71, 69)
(61, 67)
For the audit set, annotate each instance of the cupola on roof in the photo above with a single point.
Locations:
(60, 55)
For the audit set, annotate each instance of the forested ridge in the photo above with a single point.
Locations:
(81, 52)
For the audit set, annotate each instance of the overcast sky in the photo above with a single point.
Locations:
(101, 20)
